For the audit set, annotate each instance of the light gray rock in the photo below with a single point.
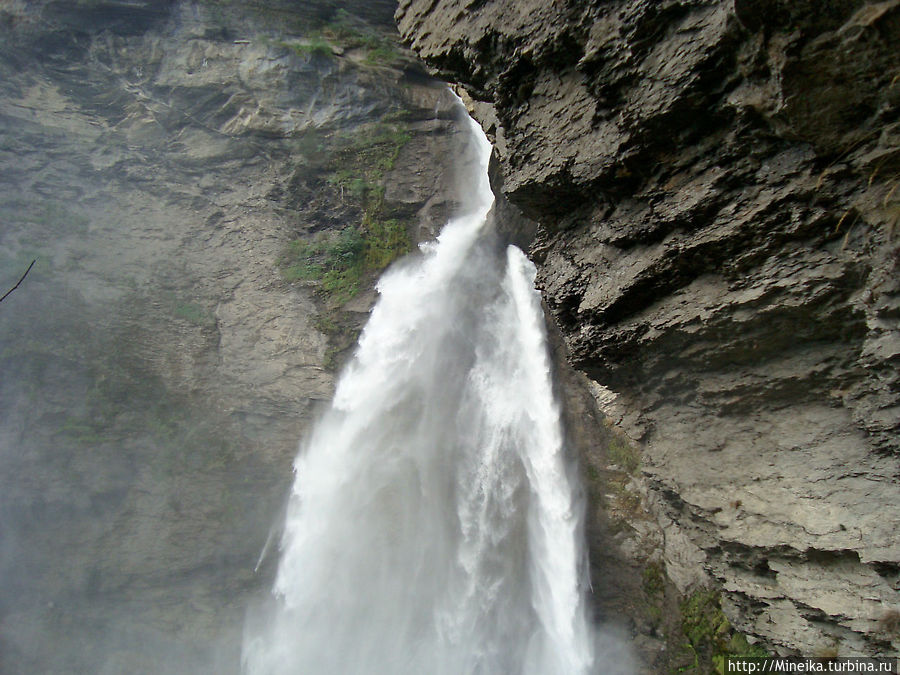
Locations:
(158, 370)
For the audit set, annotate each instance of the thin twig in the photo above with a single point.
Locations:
(21, 279)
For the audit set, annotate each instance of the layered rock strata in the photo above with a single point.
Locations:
(716, 187)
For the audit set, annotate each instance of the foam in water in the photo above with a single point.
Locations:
(432, 526)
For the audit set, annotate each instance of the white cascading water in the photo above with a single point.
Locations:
(432, 526)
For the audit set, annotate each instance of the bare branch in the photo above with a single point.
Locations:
(21, 279)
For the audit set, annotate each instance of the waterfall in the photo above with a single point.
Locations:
(432, 526)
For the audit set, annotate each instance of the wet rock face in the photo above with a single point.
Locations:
(717, 190)
(158, 369)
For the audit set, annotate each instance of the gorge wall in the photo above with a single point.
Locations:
(184, 173)
(717, 191)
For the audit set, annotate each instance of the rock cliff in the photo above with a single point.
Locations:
(717, 188)
(161, 160)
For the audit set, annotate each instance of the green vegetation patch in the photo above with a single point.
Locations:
(186, 310)
(386, 241)
(654, 580)
(624, 454)
(314, 46)
(343, 33)
(364, 159)
(339, 262)
(342, 335)
(710, 636)
(193, 313)
(381, 52)
(350, 34)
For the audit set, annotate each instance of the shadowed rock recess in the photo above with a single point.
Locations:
(717, 187)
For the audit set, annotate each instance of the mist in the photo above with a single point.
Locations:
(156, 368)
(158, 364)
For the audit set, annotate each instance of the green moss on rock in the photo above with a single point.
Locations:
(340, 261)
(710, 636)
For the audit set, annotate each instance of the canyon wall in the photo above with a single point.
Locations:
(716, 190)
(182, 173)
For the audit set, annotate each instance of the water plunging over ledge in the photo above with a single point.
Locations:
(432, 526)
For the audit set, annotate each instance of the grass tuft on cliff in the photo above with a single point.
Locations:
(315, 46)
(624, 454)
(710, 636)
(342, 34)
(339, 262)
(350, 34)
